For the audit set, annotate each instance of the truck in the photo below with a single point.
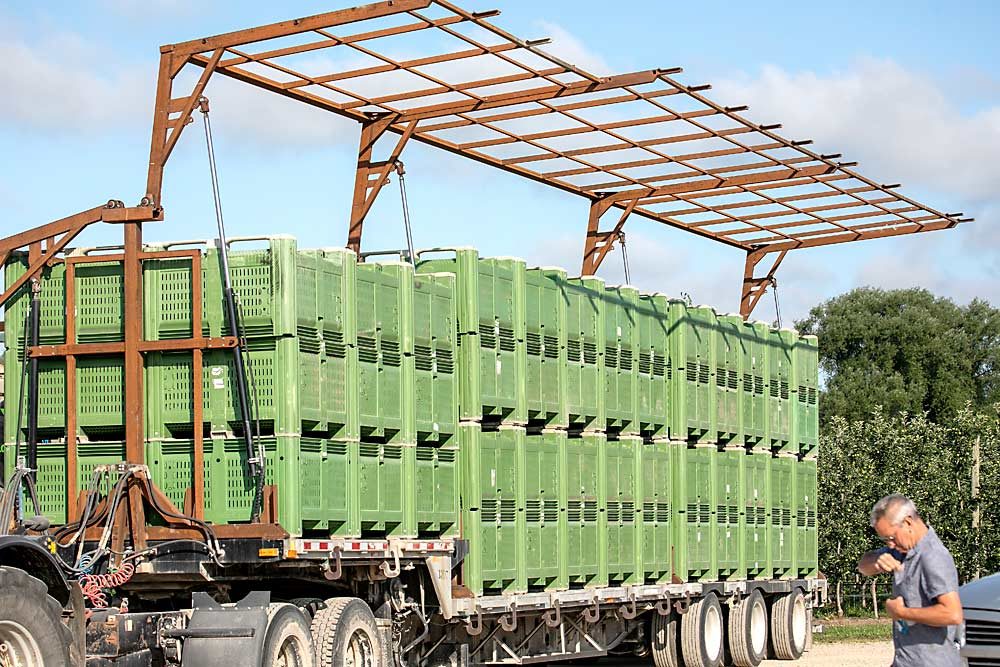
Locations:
(237, 451)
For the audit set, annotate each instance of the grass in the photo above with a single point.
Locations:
(854, 631)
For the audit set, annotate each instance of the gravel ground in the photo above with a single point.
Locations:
(843, 654)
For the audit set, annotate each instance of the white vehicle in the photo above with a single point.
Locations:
(981, 604)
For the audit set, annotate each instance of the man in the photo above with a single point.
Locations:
(925, 606)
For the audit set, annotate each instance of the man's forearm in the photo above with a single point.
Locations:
(867, 565)
(937, 615)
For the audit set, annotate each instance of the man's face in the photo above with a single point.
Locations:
(898, 536)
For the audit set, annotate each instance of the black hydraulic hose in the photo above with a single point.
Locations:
(258, 494)
(32, 444)
(255, 463)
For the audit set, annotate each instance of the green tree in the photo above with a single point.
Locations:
(907, 351)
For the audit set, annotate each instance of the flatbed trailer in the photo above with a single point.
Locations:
(171, 588)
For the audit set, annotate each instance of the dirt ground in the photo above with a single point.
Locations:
(843, 654)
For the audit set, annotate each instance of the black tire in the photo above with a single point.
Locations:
(789, 626)
(288, 641)
(703, 633)
(663, 641)
(747, 631)
(31, 621)
(346, 627)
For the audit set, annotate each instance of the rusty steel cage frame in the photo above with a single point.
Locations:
(642, 143)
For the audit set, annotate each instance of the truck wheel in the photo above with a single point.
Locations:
(789, 626)
(345, 635)
(287, 642)
(32, 633)
(663, 643)
(747, 632)
(703, 633)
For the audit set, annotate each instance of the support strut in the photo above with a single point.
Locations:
(755, 287)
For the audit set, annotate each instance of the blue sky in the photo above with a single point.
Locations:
(908, 90)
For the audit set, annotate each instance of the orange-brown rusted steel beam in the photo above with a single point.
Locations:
(755, 287)
(170, 345)
(134, 362)
(599, 244)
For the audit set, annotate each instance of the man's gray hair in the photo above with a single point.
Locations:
(895, 507)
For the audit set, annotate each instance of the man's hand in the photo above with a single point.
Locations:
(895, 607)
(886, 563)
(878, 562)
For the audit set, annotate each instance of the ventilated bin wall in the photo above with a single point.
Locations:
(545, 347)
(584, 351)
(653, 371)
(782, 537)
(694, 499)
(757, 514)
(621, 356)
(435, 347)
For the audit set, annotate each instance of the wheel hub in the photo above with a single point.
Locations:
(17, 647)
(359, 651)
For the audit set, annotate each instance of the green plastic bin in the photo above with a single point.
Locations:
(694, 499)
(757, 514)
(541, 466)
(653, 372)
(782, 537)
(806, 536)
(729, 516)
(492, 494)
(729, 356)
(692, 358)
(621, 358)
(755, 385)
(492, 359)
(586, 506)
(657, 527)
(805, 419)
(623, 462)
(780, 356)
(545, 347)
(435, 347)
(385, 352)
(585, 371)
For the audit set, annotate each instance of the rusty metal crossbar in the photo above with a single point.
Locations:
(644, 142)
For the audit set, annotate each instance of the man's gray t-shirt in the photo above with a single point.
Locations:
(928, 572)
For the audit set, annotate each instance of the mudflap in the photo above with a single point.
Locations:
(224, 636)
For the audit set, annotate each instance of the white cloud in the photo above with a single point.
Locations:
(898, 123)
(567, 47)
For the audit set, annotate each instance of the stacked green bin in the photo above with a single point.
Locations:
(806, 536)
(694, 501)
(757, 514)
(337, 306)
(657, 540)
(492, 361)
(654, 366)
(586, 504)
(805, 420)
(438, 480)
(545, 347)
(782, 496)
(730, 527)
(780, 357)
(385, 351)
(492, 494)
(755, 385)
(621, 354)
(584, 299)
(624, 479)
(329, 486)
(385, 484)
(435, 345)
(729, 356)
(692, 396)
(541, 463)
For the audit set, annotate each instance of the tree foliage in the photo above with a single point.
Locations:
(906, 351)
(863, 460)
